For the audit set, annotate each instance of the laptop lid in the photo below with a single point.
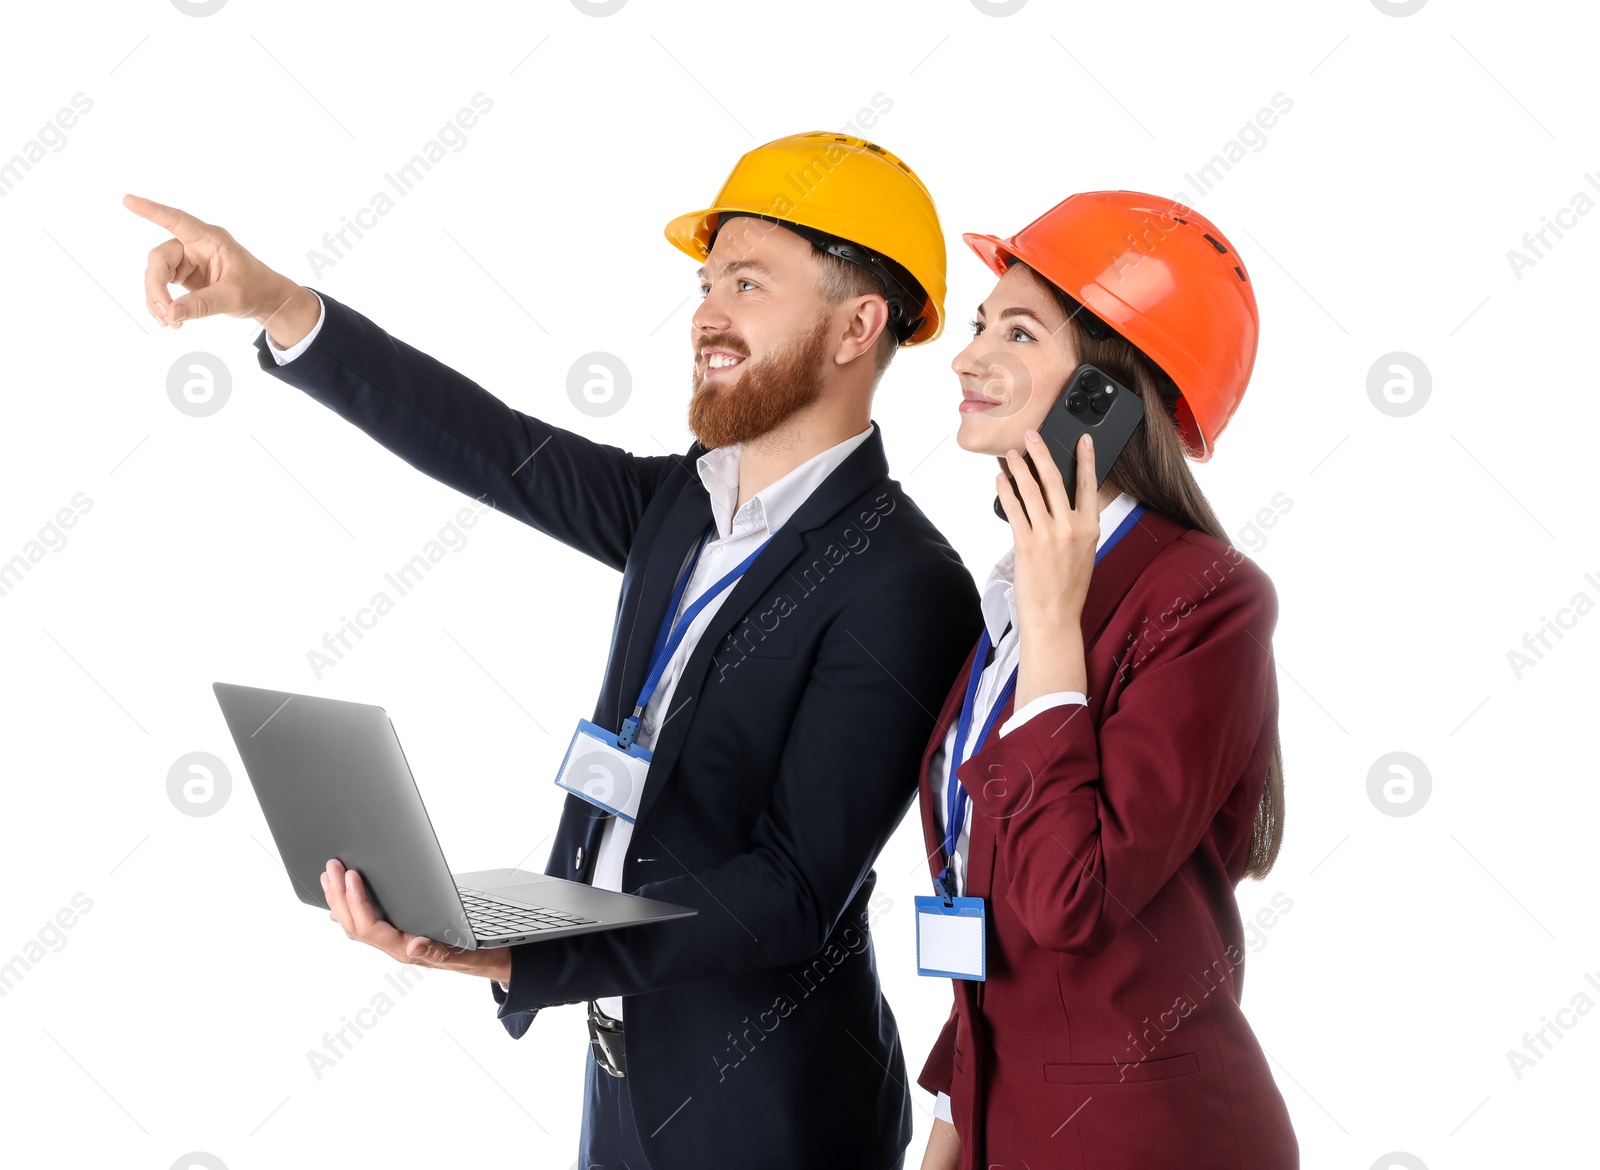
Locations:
(333, 782)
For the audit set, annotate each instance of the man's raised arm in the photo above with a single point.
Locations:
(589, 495)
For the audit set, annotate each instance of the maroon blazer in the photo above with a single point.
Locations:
(1106, 843)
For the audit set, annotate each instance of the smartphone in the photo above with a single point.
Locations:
(1094, 403)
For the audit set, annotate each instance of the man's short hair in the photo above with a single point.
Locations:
(842, 280)
(839, 281)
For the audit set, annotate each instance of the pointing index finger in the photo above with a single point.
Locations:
(180, 223)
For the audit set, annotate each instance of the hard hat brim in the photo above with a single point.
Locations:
(991, 250)
(994, 251)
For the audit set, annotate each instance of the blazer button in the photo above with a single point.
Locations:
(577, 858)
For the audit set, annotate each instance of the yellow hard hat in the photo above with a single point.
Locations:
(851, 190)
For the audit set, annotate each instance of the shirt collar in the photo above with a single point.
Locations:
(770, 508)
(999, 600)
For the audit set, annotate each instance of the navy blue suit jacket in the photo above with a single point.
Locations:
(757, 1033)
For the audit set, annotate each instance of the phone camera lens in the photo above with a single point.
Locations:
(1087, 383)
(1101, 402)
(1077, 401)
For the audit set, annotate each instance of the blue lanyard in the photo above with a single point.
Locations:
(955, 813)
(671, 634)
(956, 796)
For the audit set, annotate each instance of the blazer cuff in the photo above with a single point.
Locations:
(1061, 743)
(284, 356)
(542, 975)
(516, 1023)
(1042, 703)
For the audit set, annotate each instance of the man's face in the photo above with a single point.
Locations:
(762, 336)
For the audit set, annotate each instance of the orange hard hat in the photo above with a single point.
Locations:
(1163, 277)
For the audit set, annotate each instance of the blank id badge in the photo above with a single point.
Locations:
(950, 939)
(596, 769)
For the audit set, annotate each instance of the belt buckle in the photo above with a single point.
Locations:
(605, 1037)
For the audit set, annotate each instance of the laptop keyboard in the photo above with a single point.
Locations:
(491, 918)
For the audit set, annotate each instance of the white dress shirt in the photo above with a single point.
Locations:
(1000, 619)
(738, 534)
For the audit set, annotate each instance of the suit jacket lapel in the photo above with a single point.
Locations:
(689, 516)
(686, 518)
(861, 469)
(1121, 567)
(981, 844)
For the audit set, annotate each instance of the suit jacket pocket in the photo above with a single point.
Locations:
(1115, 1073)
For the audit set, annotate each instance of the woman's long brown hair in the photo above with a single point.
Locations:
(1154, 469)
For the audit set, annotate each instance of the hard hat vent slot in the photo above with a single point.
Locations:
(1214, 243)
(1240, 271)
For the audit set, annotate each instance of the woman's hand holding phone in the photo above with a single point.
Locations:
(1055, 543)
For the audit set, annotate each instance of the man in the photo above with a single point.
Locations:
(787, 720)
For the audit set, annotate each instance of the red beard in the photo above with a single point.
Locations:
(765, 395)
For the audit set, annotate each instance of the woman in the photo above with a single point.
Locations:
(1109, 796)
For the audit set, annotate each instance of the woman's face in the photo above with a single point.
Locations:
(1013, 370)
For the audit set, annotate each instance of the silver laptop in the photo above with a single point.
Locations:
(333, 782)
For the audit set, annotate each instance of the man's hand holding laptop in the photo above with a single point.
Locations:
(347, 899)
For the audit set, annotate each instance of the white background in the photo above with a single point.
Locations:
(176, 1014)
